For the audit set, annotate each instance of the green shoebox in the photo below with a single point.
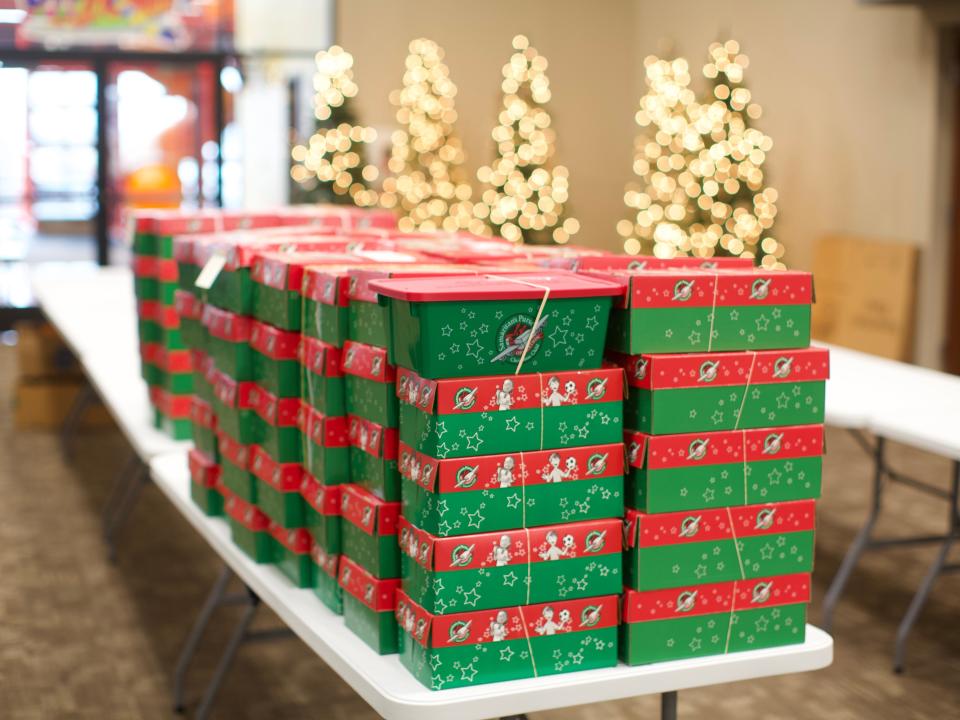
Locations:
(234, 404)
(326, 584)
(149, 331)
(278, 488)
(171, 413)
(276, 366)
(250, 529)
(691, 471)
(704, 392)
(510, 643)
(280, 426)
(370, 383)
(369, 606)
(322, 513)
(369, 531)
(229, 342)
(192, 329)
(687, 310)
(452, 326)
(165, 316)
(170, 369)
(715, 619)
(510, 567)
(322, 384)
(205, 488)
(510, 413)
(291, 553)
(696, 547)
(204, 375)
(325, 301)
(204, 425)
(509, 491)
(373, 458)
(235, 468)
(326, 446)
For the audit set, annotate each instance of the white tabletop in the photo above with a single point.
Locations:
(94, 311)
(396, 695)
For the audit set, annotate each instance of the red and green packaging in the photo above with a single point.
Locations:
(250, 529)
(326, 585)
(190, 310)
(278, 488)
(205, 482)
(171, 413)
(280, 430)
(678, 311)
(322, 513)
(166, 319)
(369, 531)
(713, 619)
(291, 553)
(322, 383)
(325, 301)
(593, 260)
(511, 567)
(154, 278)
(171, 369)
(204, 375)
(235, 468)
(235, 407)
(369, 606)
(276, 364)
(373, 458)
(456, 327)
(703, 392)
(204, 425)
(229, 342)
(511, 490)
(508, 643)
(510, 413)
(696, 547)
(326, 446)
(691, 471)
(370, 383)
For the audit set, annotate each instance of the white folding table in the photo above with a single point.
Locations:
(396, 695)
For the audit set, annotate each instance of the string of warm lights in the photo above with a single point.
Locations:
(525, 198)
(699, 164)
(333, 156)
(427, 180)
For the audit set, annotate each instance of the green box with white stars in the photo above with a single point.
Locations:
(463, 417)
(703, 392)
(369, 606)
(506, 643)
(455, 326)
(291, 553)
(326, 446)
(511, 490)
(322, 385)
(510, 567)
(692, 471)
(696, 547)
(373, 458)
(322, 513)
(690, 310)
(713, 619)
(370, 383)
(369, 531)
(275, 359)
(326, 585)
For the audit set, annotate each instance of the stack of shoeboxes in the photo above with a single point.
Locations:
(511, 463)
(723, 428)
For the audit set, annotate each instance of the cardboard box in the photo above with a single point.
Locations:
(42, 354)
(326, 585)
(692, 471)
(280, 429)
(369, 605)
(455, 327)
(369, 531)
(250, 529)
(44, 404)
(205, 487)
(291, 553)
(672, 550)
(593, 260)
(326, 446)
(511, 490)
(373, 458)
(322, 383)
(713, 619)
(678, 311)
(190, 310)
(510, 413)
(278, 488)
(370, 383)
(229, 342)
(234, 404)
(235, 468)
(204, 426)
(511, 567)
(703, 392)
(322, 513)
(171, 413)
(508, 643)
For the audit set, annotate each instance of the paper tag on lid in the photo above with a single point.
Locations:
(211, 270)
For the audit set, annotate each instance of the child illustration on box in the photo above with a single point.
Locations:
(498, 628)
(504, 476)
(501, 551)
(503, 397)
(545, 625)
(421, 627)
(554, 473)
(553, 397)
(553, 552)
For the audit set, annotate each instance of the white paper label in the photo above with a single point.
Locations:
(211, 270)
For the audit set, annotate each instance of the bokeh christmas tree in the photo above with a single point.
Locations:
(427, 182)
(525, 196)
(331, 166)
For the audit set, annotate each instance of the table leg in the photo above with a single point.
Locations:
(668, 705)
(118, 489)
(860, 542)
(71, 422)
(140, 478)
(196, 632)
(938, 566)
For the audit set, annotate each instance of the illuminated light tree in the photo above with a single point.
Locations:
(662, 200)
(427, 181)
(525, 196)
(736, 211)
(331, 166)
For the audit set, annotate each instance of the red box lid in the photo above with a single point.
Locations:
(491, 287)
(378, 595)
(362, 508)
